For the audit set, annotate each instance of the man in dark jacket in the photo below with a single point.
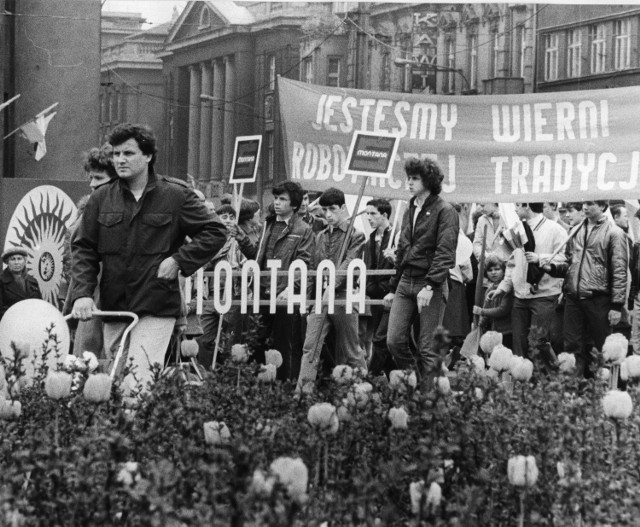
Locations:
(287, 238)
(426, 252)
(595, 282)
(136, 226)
(378, 213)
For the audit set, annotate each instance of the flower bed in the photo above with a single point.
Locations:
(241, 450)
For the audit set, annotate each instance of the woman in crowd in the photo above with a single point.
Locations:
(16, 283)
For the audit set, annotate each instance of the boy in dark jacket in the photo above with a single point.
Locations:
(426, 252)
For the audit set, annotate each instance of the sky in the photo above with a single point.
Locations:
(154, 11)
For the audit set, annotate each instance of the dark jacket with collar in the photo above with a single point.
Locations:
(11, 292)
(296, 242)
(377, 286)
(429, 248)
(131, 238)
(328, 244)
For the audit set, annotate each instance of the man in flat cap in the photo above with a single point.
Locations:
(15, 283)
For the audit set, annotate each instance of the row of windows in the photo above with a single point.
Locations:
(593, 49)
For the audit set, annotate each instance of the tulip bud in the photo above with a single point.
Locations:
(399, 418)
(273, 357)
(416, 491)
(615, 348)
(478, 363)
(342, 374)
(523, 370)
(567, 362)
(434, 496)
(91, 360)
(522, 471)
(478, 394)
(361, 393)
(97, 388)
(324, 418)
(293, 474)
(189, 349)
(10, 409)
(617, 404)
(633, 366)
(401, 380)
(267, 373)
(57, 385)
(444, 385)
(500, 359)
(239, 353)
(216, 432)
(260, 484)
(489, 341)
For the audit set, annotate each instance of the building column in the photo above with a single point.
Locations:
(229, 133)
(204, 172)
(194, 119)
(217, 121)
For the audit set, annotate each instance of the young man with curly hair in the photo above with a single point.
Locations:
(426, 252)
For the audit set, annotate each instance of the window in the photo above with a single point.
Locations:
(551, 57)
(598, 37)
(449, 82)
(333, 71)
(270, 156)
(205, 18)
(574, 53)
(495, 53)
(622, 44)
(271, 61)
(520, 46)
(472, 49)
(307, 70)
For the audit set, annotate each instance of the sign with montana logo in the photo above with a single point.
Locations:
(371, 154)
(246, 156)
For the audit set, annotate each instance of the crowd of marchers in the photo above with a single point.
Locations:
(562, 278)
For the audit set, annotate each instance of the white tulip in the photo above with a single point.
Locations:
(399, 418)
(633, 365)
(342, 374)
(416, 491)
(273, 357)
(400, 380)
(444, 385)
(268, 373)
(522, 471)
(216, 432)
(57, 384)
(489, 341)
(324, 418)
(523, 370)
(500, 359)
(91, 360)
(434, 496)
(617, 404)
(239, 353)
(567, 362)
(361, 392)
(293, 474)
(478, 363)
(615, 348)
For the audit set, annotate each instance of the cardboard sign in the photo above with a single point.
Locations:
(246, 156)
(372, 154)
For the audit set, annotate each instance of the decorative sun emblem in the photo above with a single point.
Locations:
(39, 224)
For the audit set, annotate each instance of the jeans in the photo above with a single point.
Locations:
(147, 345)
(283, 331)
(530, 313)
(348, 350)
(381, 359)
(585, 321)
(403, 311)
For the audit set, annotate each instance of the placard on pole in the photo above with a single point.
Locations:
(244, 167)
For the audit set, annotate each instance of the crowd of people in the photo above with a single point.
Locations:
(561, 278)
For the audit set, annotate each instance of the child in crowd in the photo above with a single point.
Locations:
(495, 314)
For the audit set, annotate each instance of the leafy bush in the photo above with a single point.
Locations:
(70, 462)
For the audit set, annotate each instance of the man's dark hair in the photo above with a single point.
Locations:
(226, 209)
(293, 189)
(332, 196)
(142, 134)
(248, 208)
(615, 210)
(428, 170)
(99, 160)
(538, 208)
(383, 206)
(575, 205)
(604, 204)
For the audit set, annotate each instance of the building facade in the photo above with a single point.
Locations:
(584, 47)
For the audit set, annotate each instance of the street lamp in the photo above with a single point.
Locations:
(435, 67)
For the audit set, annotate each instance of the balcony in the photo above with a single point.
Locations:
(503, 85)
(143, 52)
